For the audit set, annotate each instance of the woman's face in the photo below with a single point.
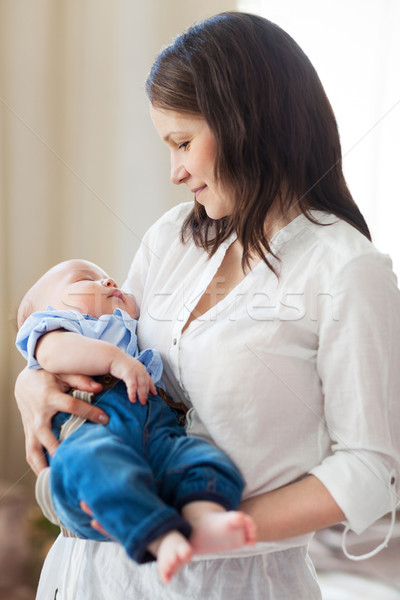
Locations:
(193, 152)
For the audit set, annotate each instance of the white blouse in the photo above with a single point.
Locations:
(289, 376)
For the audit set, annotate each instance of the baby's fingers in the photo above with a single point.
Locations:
(143, 387)
(153, 389)
(139, 383)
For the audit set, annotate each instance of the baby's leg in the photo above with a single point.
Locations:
(172, 551)
(115, 481)
(218, 530)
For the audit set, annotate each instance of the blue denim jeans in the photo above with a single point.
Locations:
(136, 473)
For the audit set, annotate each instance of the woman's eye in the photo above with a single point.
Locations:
(183, 146)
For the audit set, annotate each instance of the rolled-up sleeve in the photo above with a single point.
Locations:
(359, 367)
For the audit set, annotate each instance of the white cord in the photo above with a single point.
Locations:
(393, 501)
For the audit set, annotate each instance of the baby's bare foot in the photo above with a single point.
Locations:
(222, 531)
(173, 552)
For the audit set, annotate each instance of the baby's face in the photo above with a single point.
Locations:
(80, 285)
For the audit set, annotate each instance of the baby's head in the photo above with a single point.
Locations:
(76, 285)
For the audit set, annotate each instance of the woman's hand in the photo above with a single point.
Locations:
(40, 395)
(94, 523)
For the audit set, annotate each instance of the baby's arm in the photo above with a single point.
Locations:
(63, 351)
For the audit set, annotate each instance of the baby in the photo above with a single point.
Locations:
(157, 491)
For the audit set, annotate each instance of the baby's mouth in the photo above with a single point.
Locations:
(117, 294)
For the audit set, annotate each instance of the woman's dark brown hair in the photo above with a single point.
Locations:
(276, 134)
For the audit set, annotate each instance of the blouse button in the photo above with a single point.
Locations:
(174, 341)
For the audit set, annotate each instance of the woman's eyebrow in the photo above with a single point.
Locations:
(168, 138)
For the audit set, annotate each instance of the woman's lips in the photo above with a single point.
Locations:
(197, 191)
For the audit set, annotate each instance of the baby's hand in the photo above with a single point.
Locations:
(137, 380)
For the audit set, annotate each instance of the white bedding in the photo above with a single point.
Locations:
(345, 586)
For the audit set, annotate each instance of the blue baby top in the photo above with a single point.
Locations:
(118, 329)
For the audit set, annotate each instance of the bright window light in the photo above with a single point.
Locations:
(355, 47)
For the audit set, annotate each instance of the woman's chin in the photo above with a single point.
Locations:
(215, 214)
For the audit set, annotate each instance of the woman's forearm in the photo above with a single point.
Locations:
(295, 509)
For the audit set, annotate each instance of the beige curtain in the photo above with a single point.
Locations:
(83, 174)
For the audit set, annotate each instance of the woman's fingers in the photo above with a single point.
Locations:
(94, 523)
(38, 439)
(81, 382)
(47, 439)
(35, 455)
(86, 509)
(40, 395)
(39, 436)
(80, 408)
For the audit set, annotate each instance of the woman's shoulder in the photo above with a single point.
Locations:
(339, 241)
(338, 247)
(324, 250)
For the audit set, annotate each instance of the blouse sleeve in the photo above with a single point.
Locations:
(40, 323)
(359, 366)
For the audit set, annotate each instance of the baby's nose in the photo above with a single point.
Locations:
(108, 282)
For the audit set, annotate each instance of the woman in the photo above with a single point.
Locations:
(276, 318)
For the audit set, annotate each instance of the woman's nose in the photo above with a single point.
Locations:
(178, 174)
(108, 282)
